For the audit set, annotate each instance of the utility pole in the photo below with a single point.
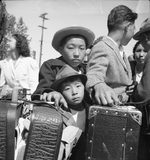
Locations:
(42, 35)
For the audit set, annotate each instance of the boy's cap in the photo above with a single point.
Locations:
(74, 30)
(64, 73)
(144, 28)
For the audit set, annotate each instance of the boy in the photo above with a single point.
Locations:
(71, 42)
(70, 84)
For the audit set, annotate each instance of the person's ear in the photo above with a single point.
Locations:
(127, 26)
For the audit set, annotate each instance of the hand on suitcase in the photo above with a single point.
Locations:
(104, 95)
(56, 97)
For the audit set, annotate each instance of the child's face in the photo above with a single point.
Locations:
(73, 91)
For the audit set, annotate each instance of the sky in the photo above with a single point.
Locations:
(64, 13)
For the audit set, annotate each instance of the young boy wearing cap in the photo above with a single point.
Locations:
(108, 69)
(71, 43)
(71, 84)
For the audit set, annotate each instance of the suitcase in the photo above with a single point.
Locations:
(113, 133)
(9, 114)
(45, 133)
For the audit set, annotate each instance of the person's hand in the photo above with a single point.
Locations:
(104, 95)
(130, 88)
(55, 97)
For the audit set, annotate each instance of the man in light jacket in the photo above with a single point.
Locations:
(108, 69)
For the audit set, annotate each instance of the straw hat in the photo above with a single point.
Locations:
(74, 30)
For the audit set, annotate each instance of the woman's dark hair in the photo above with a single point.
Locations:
(118, 15)
(135, 46)
(22, 45)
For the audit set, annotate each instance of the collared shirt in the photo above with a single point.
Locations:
(121, 50)
(138, 76)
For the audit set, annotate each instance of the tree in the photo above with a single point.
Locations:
(21, 28)
(11, 21)
(12, 27)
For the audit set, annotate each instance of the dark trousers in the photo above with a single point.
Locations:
(144, 147)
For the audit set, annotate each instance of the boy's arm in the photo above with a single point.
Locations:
(46, 78)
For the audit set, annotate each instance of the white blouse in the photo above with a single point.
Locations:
(24, 71)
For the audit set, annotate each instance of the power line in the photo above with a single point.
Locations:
(42, 34)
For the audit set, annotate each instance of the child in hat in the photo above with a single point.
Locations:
(71, 42)
(71, 84)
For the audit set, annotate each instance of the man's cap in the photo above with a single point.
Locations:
(144, 28)
(73, 30)
(65, 73)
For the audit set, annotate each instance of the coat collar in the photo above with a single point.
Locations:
(115, 48)
(61, 62)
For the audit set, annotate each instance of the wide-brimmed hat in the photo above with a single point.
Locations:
(66, 72)
(74, 30)
(144, 28)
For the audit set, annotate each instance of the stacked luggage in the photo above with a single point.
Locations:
(113, 132)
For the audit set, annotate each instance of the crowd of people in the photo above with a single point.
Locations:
(106, 79)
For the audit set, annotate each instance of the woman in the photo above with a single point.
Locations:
(137, 65)
(19, 69)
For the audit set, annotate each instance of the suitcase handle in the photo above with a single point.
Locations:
(65, 113)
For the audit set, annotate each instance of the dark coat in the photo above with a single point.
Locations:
(47, 75)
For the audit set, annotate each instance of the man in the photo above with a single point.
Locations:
(71, 43)
(108, 69)
(143, 35)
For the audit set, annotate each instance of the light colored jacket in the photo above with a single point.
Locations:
(107, 66)
(25, 72)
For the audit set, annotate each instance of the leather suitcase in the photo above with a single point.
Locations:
(45, 133)
(9, 114)
(113, 133)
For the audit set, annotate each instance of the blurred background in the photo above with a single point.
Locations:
(40, 19)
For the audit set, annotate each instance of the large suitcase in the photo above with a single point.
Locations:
(9, 115)
(45, 133)
(113, 133)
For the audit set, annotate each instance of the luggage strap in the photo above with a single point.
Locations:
(11, 122)
(67, 116)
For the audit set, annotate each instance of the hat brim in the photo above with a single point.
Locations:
(139, 33)
(57, 83)
(61, 34)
